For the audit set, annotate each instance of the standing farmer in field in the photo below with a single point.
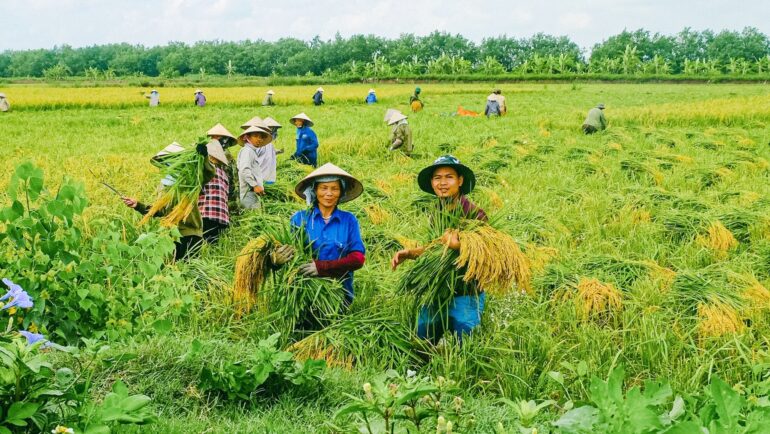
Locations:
(268, 101)
(274, 126)
(4, 104)
(371, 97)
(334, 235)
(200, 99)
(225, 138)
(450, 182)
(595, 121)
(318, 96)
(212, 202)
(191, 227)
(401, 136)
(251, 181)
(414, 101)
(307, 141)
(154, 98)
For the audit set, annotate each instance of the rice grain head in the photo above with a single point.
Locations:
(494, 260)
(718, 319)
(249, 274)
(593, 297)
(718, 239)
(316, 348)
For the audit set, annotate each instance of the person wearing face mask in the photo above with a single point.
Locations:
(251, 181)
(451, 182)
(333, 234)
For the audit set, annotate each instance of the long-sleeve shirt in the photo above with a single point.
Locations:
(154, 99)
(338, 249)
(266, 158)
(200, 100)
(401, 137)
(4, 105)
(268, 100)
(307, 146)
(371, 98)
(249, 172)
(212, 202)
(596, 119)
(318, 98)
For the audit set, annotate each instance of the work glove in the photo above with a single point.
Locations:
(201, 149)
(281, 255)
(308, 270)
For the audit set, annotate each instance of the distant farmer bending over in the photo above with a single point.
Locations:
(4, 104)
(595, 121)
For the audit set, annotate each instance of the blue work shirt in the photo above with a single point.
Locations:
(334, 240)
(371, 98)
(307, 146)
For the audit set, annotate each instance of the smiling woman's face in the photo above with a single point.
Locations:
(446, 182)
(328, 193)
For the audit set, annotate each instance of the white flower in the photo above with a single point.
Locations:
(410, 373)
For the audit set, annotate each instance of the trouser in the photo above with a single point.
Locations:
(187, 247)
(212, 229)
(589, 129)
(461, 316)
(250, 200)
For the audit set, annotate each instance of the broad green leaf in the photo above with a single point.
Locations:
(728, 404)
(581, 419)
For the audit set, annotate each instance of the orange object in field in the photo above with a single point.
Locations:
(463, 112)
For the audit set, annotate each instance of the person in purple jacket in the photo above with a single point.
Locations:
(200, 99)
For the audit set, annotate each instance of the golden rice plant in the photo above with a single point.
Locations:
(593, 298)
(540, 256)
(377, 214)
(250, 273)
(718, 239)
(493, 259)
(718, 319)
(177, 201)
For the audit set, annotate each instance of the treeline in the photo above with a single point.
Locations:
(628, 53)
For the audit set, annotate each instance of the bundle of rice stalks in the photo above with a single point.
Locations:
(377, 214)
(250, 269)
(718, 319)
(545, 149)
(681, 225)
(739, 222)
(639, 170)
(367, 336)
(620, 270)
(708, 286)
(578, 153)
(540, 256)
(718, 239)
(713, 177)
(593, 298)
(177, 201)
(756, 295)
(493, 259)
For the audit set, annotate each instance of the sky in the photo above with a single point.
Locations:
(27, 24)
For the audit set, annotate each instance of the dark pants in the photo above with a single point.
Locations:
(589, 129)
(187, 247)
(212, 229)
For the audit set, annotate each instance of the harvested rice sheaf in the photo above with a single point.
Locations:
(493, 259)
(718, 319)
(719, 239)
(757, 295)
(250, 273)
(593, 297)
(377, 214)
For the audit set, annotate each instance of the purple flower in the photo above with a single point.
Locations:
(17, 296)
(33, 338)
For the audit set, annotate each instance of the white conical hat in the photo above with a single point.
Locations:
(170, 149)
(215, 150)
(270, 92)
(304, 117)
(198, 91)
(272, 123)
(320, 89)
(389, 114)
(397, 117)
(256, 120)
(354, 186)
(256, 129)
(371, 91)
(219, 130)
(2, 95)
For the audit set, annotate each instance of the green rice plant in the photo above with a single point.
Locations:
(739, 222)
(691, 288)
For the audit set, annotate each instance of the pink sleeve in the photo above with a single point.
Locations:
(338, 267)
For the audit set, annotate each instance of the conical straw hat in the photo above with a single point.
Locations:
(219, 130)
(396, 118)
(371, 91)
(304, 117)
(256, 129)
(389, 114)
(170, 149)
(270, 92)
(2, 95)
(354, 186)
(320, 89)
(272, 123)
(256, 120)
(215, 150)
(198, 91)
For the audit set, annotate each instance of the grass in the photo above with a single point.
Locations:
(633, 209)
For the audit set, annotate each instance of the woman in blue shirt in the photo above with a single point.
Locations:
(307, 141)
(334, 235)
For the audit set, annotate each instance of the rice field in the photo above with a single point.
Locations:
(649, 243)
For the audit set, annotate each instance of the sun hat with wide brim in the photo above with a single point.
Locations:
(397, 117)
(600, 106)
(168, 150)
(220, 130)
(320, 89)
(469, 178)
(272, 123)
(270, 92)
(256, 129)
(304, 117)
(353, 187)
(217, 152)
(389, 114)
(256, 120)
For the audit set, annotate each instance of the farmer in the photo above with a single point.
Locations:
(154, 98)
(274, 126)
(212, 201)
(414, 101)
(389, 114)
(4, 104)
(225, 138)
(318, 96)
(493, 107)
(371, 98)
(333, 234)
(200, 99)
(268, 101)
(251, 182)
(307, 141)
(595, 121)
(266, 155)
(219, 133)
(497, 95)
(401, 136)
(191, 228)
(450, 181)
